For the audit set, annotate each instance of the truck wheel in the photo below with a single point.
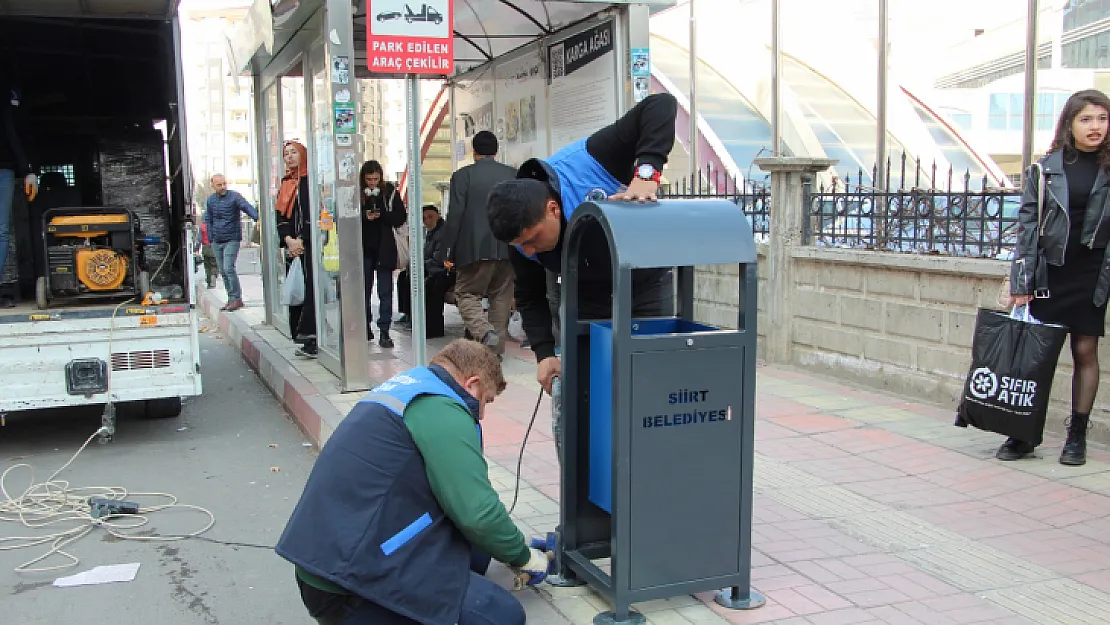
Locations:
(40, 293)
(144, 283)
(163, 408)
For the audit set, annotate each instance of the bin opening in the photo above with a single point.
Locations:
(601, 395)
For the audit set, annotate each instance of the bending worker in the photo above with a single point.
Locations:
(622, 161)
(398, 511)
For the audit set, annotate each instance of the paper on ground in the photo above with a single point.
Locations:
(100, 575)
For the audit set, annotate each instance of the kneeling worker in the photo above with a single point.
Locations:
(399, 509)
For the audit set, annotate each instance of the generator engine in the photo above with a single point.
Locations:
(91, 252)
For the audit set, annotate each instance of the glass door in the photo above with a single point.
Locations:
(272, 170)
(326, 244)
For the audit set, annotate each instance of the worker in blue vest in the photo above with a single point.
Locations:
(622, 161)
(398, 521)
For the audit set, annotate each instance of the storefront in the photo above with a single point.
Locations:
(307, 59)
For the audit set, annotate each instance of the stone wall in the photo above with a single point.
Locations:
(902, 323)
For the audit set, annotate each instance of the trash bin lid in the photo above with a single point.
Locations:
(672, 233)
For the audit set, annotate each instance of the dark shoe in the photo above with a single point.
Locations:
(1013, 449)
(369, 333)
(7, 302)
(236, 305)
(225, 306)
(385, 342)
(1075, 449)
(308, 350)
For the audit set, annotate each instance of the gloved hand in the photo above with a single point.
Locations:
(535, 570)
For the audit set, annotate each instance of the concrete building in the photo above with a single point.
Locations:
(218, 107)
(983, 90)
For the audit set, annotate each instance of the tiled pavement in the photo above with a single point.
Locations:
(868, 508)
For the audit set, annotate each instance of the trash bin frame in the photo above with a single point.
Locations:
(679, 234)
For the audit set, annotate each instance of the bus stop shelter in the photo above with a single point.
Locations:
(537, 74)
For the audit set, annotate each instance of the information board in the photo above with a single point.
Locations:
(583, 84)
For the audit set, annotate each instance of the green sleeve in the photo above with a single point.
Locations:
(444, 433)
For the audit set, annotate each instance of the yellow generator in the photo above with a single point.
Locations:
(91, 253)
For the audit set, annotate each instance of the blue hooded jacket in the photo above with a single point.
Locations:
(574, 176)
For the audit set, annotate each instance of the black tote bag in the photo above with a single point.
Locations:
(1013, 360)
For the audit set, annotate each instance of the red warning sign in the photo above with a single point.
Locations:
(409, 38)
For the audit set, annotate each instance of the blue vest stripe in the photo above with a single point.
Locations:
(400, 538)
(389, 401)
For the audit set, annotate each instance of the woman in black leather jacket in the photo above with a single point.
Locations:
(1059, 268)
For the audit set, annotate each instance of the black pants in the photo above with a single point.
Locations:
(435, 289)
(485, 603)
(302, 319)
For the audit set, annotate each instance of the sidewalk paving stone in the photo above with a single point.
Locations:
(868, 508)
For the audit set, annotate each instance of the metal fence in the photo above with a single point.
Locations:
(754, 200)
(961, 216)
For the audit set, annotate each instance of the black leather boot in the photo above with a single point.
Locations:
(1075, 449)
(1013, 449)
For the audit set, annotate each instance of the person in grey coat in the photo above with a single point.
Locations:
(480, 260)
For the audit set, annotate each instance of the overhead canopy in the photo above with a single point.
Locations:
(159, 9)
(484, 29)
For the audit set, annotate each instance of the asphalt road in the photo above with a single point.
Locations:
(232, 451)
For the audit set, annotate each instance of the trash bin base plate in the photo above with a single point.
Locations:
(609, 618)
(752, 601)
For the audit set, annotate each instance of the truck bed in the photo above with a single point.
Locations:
(29, 311)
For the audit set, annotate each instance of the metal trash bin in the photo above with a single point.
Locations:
(658, 415)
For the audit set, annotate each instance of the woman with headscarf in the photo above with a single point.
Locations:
(294, 228)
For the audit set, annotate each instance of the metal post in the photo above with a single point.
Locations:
(881, 173)
(693, 50)
(776, 85)
(1029, 117)
(416, 234)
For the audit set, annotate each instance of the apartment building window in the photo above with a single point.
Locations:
(1089, 52)
(1007, 110)
(239, 116)
(1079, 13)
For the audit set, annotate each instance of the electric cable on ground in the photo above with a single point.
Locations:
(523, 444)
(55, 502)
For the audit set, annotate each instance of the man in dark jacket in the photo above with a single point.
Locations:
(438, 279)
(398, 510)
(15, 163)
(225, 231)
(623, 162)
(482, 262)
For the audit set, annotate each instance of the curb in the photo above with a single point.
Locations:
(312, 413)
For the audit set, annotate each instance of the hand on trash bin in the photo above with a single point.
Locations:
(639, 190)
(549, 368)
(535, 571)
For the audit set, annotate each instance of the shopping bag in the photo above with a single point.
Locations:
(1013, 360)
(292, 292)
(516, 326)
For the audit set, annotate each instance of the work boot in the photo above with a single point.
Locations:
(1013, 449)
(1075, 449)
(385, 342)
